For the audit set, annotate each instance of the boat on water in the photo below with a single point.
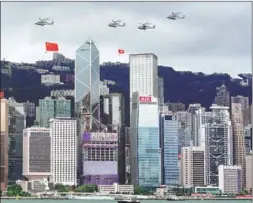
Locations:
(91, 197)
(128, 201)
(174, 198)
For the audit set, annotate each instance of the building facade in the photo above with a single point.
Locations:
(87, 85)
(238, 137)
(63, 151)
(249, 172)
(17, 122)
(52, 108)
(100, 158)
(4, 143)
(36, 153)
(169, 129)
(143, 75)
(222, 97)
(216, 134)
(230, 179)
(192, 166)
(145, 151)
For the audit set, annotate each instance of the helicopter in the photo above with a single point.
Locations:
(43, 22)
(175, 16)
(116, 23)
(145, 26)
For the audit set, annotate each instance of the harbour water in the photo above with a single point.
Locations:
(113, 201)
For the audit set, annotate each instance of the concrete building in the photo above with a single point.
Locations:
(230, 179)
(192, 166)
(36, 153)
(249, 172)
(50, 79)
(4, 143)
(63, 151)
(169, 128)
(238, 137)
(143, 75)
(17, 122)
(52, 108)
(100, 158)
(145, 151)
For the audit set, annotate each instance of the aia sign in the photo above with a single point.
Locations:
(145, 99)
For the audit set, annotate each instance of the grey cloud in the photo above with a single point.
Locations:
(212, 30)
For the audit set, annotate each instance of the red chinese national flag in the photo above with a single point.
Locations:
(51, 46)
(121, 51)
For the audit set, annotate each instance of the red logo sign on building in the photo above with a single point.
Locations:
(1, 94)
(145, 99)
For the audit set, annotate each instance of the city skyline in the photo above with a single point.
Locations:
(211, 39)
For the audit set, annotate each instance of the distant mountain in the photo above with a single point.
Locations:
(185, 87)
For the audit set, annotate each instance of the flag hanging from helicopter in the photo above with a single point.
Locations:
(50, 46)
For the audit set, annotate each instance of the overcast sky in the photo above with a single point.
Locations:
(214, 37)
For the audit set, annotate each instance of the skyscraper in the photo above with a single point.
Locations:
(222, 97)
(17, 122)
(52, 108)
(192, 166)
(216, 138)
(114, 111)
(87, 85)
(36, 153)
(4, 143)
(238, 137)
(169, 129)
(145, 151)
(63, 151)
(143, 75)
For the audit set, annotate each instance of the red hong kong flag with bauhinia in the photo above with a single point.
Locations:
(52, 46)
(121, 51)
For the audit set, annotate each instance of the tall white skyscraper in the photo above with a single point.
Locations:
(143, 75)
(63, 151)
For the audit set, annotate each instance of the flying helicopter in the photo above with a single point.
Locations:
(116, 23)
(175, 16)
(145, 26)
(43, 22)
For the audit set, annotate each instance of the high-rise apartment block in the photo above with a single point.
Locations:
(63, 151)
(52, 108)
